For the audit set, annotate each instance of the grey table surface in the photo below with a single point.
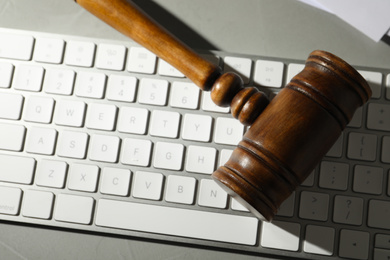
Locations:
(281, 28)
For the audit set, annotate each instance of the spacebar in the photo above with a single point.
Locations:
(177, 222)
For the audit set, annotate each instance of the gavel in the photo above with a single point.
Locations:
(287, 137)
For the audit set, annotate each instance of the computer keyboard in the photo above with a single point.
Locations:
(100, 135)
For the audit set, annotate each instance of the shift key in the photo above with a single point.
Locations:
(16, 169)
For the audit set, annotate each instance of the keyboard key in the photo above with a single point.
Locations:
(166, 69)
(11, 105)
(90, 84)
(51, 173)
(280, 235)
(374, 79)
(356, 120)
(133, 120)
(184, 95)
(14, 46)
(168, 156)
(72, 144)
(115, 181)
(28, 78)
(153, 92)
(238, 206)
(49, 50)
(314, 206)
(319, 240)
(224, 156)
(212, 195)
(286, 209)
(121, 88)
(354, 244)
(104, 148)
(74, 209)
(337, 148)
(165, 124)
(378, 117)
(12, 137)
(39, 109)
(158, 219)
(381, 254)
(101, 116)
(269, 73)
(110, 56)
(148, 185)
(379, 214)
(6, 72)
(69, 113)
(228, 131)
(368, 179)
(197, 127)
(83, 177)
(388, 86)
(10, 199)
(37, 204)
(41, 140)
(382, 241)
(141, 60)
(334, 175)
(348, 210)
(386, 149)
(209, 105)
(362, 146)
(292, 70)
(59, 81)
(201, 159)
(79, 53)
(241, 66)
(180, 189)
(136, 152)
(24, 166)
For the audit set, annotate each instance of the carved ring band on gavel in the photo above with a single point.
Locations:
(288, 137)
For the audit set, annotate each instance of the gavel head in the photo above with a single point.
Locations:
(293, 133)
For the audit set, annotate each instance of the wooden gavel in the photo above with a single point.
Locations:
(288, 137)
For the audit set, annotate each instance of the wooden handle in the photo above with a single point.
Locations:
(288, 137)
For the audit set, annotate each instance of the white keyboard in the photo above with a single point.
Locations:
(100, 135)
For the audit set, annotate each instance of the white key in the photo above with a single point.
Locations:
(153, 91)
(314, 205)
(309, 181)
(166, 69)
(10, 200)
(228, 131)
(379, 214)
(238, 206)
(101, 116)
(368, 179)
(13, 46)
(180, 189)
(115, 181)
(280, 235)
(41, 140)
(133, 120)
(24, 166)
(141, 60)
(319, 240)
(269, 73)
(184, 95)
(362, 146)
(158, 219)
(136, 152)
(37, 204)
(348, 210)
(242, 66)
(212, 195)
(72, 144)
(334, 175)
(6, 72)
(90, 84)
(201, 159)
(39, 109)
(374, 79)
(12, 137)
(197, 127)
(74, 209)
(209, 105)
(337, 149)
(386, 149)
(10, 106)
(83, 177)
(356, 120)
(224, 156)
(110, 56)
(28, 77)
(49, 50)
(79, 53)
(51, 173)
(168, 156)
(148, 185)
(69, 113)
(287, 207)
(165, 124)
(388, 86)
(354, 244)
(59, 81)
(292, 70)
(121, 88)
(104, 148)
(378, 117)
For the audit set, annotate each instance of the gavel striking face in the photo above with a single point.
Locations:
(287, 138)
